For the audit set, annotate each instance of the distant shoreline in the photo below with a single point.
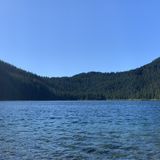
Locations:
(79, 100)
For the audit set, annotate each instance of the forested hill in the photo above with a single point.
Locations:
(141, 83)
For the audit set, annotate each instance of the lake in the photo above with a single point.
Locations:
(109, 130)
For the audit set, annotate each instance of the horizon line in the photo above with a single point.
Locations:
(88, 72)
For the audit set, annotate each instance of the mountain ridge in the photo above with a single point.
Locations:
(139, 83)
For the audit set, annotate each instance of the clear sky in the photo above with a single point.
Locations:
(66, 37)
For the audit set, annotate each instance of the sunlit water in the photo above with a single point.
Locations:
(117, 130)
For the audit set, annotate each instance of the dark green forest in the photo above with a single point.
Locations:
(140, 83)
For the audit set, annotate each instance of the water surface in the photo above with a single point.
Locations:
(117, 130)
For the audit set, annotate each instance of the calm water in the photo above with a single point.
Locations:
(80, 130)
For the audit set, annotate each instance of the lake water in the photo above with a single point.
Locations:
(117, 130)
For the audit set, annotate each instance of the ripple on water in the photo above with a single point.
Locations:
(117, 130)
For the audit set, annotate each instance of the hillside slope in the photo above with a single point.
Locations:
(141, 83)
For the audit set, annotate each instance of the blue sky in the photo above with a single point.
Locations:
(66, 37)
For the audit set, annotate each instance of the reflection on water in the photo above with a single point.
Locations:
(80, 130)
